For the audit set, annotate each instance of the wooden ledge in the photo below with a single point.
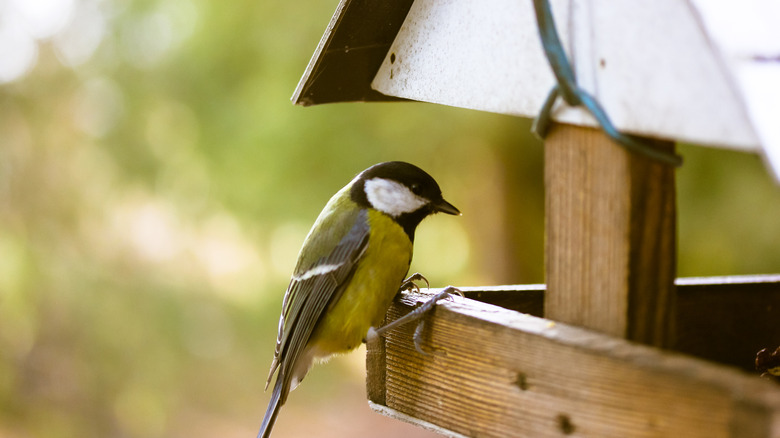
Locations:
(499, 373)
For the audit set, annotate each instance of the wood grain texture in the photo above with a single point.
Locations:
(611, 236)
(349, 53)
(721, 319)
(525, 298)
(376, 367)
(728, 319)
(500, 373)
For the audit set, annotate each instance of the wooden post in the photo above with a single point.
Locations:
(611, 236)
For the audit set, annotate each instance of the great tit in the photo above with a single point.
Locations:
(350, 268)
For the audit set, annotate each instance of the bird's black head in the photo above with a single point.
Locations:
(402, 191)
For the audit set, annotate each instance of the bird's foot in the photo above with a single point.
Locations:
(416, 315)
(445, 294)
(410, 283)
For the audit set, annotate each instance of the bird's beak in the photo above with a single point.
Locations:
(445, 207)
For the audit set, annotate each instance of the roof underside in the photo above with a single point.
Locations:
(350, 53)
(700, 71)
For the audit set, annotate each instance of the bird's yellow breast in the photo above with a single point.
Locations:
(365, 300)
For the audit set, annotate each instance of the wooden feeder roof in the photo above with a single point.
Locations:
(699, 71)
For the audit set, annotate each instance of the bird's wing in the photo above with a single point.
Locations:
(312, 288)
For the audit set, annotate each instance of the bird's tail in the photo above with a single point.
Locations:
(273, 409)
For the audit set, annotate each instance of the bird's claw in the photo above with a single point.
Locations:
(418, 338)
(415, 315)
(410, 283)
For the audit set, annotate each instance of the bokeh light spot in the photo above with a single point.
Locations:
(285, 243)
(140, 412)
(441, 249)
(78, 41)
(44, 18)
(97, 106)
(18, 50)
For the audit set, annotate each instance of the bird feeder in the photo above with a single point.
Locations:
(613, 344)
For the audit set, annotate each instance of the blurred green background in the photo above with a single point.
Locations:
(156, 184)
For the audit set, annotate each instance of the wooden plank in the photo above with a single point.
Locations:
(375, 371)
(611, 234)
(653, 250)
(525, 298)
(721, 319)
(350, 52)
(392, 413)
(520, 298)
(728, 319)
(500, 373)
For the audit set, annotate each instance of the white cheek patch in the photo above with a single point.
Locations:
(392, 197)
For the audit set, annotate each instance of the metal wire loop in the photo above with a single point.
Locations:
(573, 95)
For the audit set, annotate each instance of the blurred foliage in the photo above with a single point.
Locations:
(156, 184)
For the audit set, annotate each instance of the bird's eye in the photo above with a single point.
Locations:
(415, 188)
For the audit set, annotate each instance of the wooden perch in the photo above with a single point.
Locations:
(500, 373)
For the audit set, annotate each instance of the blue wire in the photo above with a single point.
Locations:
(567, 88)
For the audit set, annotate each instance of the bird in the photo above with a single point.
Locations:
(349, 269)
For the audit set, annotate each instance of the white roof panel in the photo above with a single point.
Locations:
(700, 71)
